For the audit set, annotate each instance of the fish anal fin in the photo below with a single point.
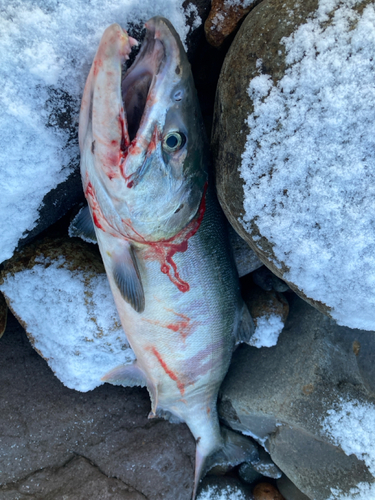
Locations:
(127, 278)
(126, 375)
(245, 327)
(82, 226)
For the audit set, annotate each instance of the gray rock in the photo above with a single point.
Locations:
(266, 466)
(245, 258)
(248, 474)
(44, 426)
(78, 479)
(289, 490)
(285, 392)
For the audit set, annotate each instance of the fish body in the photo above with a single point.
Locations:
(161, 233)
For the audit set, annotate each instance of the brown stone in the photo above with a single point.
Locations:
(265, 303)
(266, 491)
(223, 20)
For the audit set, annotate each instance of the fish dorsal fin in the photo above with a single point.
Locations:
(82, 226)
(245, 327)
(127, 278)
(126, 375)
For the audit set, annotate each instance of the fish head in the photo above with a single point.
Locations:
(149, 143)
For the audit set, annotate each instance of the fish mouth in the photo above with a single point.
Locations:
(142, 83)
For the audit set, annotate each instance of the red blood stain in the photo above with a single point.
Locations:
(169, 372)
(98, 63)
(183, 326)
(99, 220)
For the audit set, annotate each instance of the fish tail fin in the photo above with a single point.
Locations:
(235, 449)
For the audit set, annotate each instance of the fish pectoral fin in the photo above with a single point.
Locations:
(245, 327)
(127, 278)
(126, 375)
(82, 226)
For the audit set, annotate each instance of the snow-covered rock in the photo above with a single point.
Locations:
(294, 148)
(59, 291)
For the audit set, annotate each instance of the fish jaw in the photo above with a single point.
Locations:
(101, 101)
(125, 125)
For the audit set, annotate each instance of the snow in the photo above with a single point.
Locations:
(267, 331)
(72, 320)
(46, 50)
(227, 493)
(308, 162)
(350, 425)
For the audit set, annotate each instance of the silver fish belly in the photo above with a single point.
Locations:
(161, 234)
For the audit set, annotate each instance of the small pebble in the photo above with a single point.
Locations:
(266, 491)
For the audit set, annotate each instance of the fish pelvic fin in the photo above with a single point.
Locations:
(126, 375)
(128, 279)
(235, 449)
(245, 327)
(82, 226)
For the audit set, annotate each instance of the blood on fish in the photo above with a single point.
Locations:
(183, 326)
(98, 63)
(169, 372)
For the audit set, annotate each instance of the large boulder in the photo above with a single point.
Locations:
(57, 285)
(293, 145)
(59, 443)
(309, 401)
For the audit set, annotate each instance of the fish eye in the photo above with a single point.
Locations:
(173, 141)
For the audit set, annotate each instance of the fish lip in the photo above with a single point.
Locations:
(142, 84)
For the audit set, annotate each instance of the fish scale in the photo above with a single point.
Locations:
(162, 235)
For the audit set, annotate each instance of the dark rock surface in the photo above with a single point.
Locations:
(286, 391)
(56, 437)
(3, 314)
(245, 258)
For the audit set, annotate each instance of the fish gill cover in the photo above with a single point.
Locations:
(308, 166)
(46, 49)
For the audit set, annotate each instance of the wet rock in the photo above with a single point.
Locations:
(311, 244)
(45, 428)
(287, 391)
(224, 18)
(59, 285)
(266, 491)
(245, 258)
(225, 488)
(289, 490)
(3, 314)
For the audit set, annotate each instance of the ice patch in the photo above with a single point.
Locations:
(308, 163)
(350, 425)
(46, 50)
(72, 319)
(267, 331)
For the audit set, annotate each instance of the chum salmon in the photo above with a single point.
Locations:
(152, 209)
